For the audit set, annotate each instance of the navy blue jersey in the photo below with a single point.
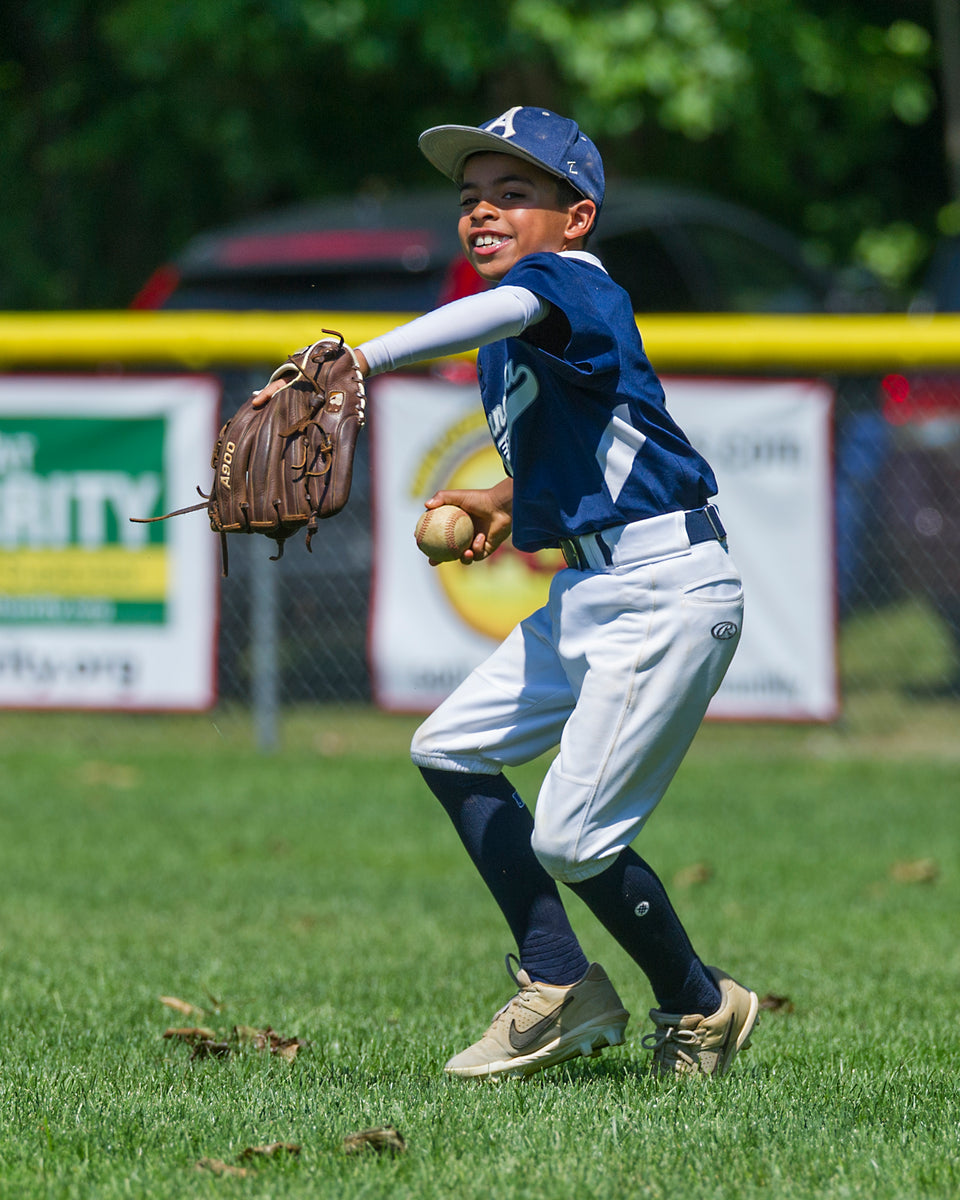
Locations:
(578, 415)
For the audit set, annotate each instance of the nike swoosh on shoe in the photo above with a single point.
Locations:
(521, 1040)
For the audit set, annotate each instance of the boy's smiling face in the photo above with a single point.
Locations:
(510, 208)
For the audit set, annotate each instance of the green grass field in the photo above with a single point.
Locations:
(322, 894)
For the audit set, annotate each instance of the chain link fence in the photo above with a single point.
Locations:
(897, 459)
(296, 627)
(295, 631)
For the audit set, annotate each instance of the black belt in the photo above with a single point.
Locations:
(703, 525)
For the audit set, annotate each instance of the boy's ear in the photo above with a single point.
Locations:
(581, 218)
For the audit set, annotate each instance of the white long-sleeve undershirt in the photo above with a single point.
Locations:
(461, 325)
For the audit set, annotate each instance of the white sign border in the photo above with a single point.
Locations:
(175, 665)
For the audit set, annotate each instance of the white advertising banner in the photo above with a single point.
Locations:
(769, 444)
(97, 612)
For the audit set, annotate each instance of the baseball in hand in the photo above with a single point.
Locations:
(444, 533)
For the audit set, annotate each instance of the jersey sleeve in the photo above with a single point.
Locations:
(578, 334)
(461, 325)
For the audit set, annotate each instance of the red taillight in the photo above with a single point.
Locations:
(922, 398)
(411, 248)
(158, 289)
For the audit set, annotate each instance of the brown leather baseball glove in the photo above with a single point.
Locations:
(285, 459)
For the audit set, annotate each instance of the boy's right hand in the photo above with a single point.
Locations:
(492, 513)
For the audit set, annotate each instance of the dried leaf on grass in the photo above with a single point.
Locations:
(181, 1006)
(383, 1139)
(917, 870)
(288, 1048)
(695, 873)
(217, 1166)
(268, 1039)
(191, 1033)
(207, 1044)
(271, 1150)
(771, 1002)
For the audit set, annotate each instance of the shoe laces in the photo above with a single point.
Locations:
(514, 974)
(521, 979)
(668, 1039)
(522, 984)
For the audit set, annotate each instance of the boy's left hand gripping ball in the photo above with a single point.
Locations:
(444, 533)
(285, 459)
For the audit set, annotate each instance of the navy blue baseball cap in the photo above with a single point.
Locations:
(555, 144)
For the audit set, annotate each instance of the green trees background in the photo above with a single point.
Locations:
(126, 126)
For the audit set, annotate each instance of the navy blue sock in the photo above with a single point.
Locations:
(630, 901)
(495, 827)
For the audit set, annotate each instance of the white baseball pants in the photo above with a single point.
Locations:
(617, 669)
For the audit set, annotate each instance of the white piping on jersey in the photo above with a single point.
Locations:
(619, 446)
(584, 256)
(520, 389)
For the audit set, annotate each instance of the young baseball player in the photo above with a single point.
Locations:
(618, 667)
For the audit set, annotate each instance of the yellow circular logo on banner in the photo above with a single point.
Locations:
(493, 595)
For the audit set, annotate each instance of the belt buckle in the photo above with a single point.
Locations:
(718, 529)
(572, 555)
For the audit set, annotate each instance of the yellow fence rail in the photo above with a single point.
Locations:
(728, 342)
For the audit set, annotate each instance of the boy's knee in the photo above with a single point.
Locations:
(421, 747)
(560, 855)
(438, 745)
(430, 750)
(430, 747)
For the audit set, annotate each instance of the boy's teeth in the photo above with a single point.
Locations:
(488, 239)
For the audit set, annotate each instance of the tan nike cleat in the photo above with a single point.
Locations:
(545, 1024)
(698, 1045)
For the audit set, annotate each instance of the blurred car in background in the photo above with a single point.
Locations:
(673, 250)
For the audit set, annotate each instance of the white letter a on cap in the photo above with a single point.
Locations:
(504, 122)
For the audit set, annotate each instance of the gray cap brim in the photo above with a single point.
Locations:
(448, 147)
